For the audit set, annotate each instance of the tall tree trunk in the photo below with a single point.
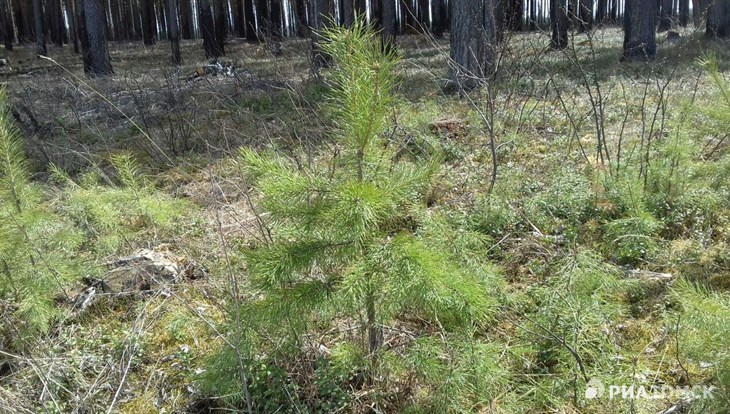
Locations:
(409, 15)
(148, 22)
(73, 14)
(186, 19)
(559, 23)
(348, 13)
(683, 13)
(439, 17)
(586, 15)
(601, 12)
(264, 19)
(389, 24)
(239, 22)
(24, 21)
(299, 14)
(93, 39)
(7, 25)
(472, 40)
(220, 14)
(718, 19)
(320, 15)
(207, 29)
(665, 16)
(173, 32)
(276, 20)
(40, 28)
(250, 20)
(116, 20)
(639, 30)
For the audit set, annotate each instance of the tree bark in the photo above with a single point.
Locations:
(250, 20)
(585, 15)
(173, 31)
(683, 13)
(559, 23)
(718, 19)
(207, 29)
(148, 22)
(7, 25)
(348, 12)
(665, 16)
(472, 42)
(220, 13)
(388, 23)
(40, 28)
(93, 39)
(639, 30)
(321, 14)
(439, 18)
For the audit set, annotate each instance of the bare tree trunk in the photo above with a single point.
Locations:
(93, 39)
(186, 19)
(321, 13)
(683, 13)
(7, 25)
(219, 10)
(472, 40)
(388, 23)
(40, 28)
(718, 19)
(559, 23)
(665, 16)
(207, 28)
(250, 20)
(348, 13)
(639, 30)
(173, 32)
(585, 15)
(148, 22)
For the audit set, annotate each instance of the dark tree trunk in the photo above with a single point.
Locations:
(264, 18)
(559, 23)
(409, 15)
(186, 19)
(7, 25)
(514, 14)
(500, 19)
(718, 19)
(472, 40)
(148, 22)
(40, 29)
(173, 32)
(55, 22)
(439, 18)
(220, 27)
(276, 20)
(93, 39)
(683, 13)
(24, 21)
(665, 16)
(116, 14)
(299, 10)
(73, 13)
(348, 13)
(321, 13)
(207, 29)
(239, 22)
(250, 20)
(639, 30)
(388, 23)
(602, 11)
(585, 15)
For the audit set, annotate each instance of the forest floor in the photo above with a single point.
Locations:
(546, 113)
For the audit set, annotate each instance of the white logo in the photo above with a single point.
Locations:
(594, 388)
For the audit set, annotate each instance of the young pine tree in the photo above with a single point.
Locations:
(346, 239)
(37, 247)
